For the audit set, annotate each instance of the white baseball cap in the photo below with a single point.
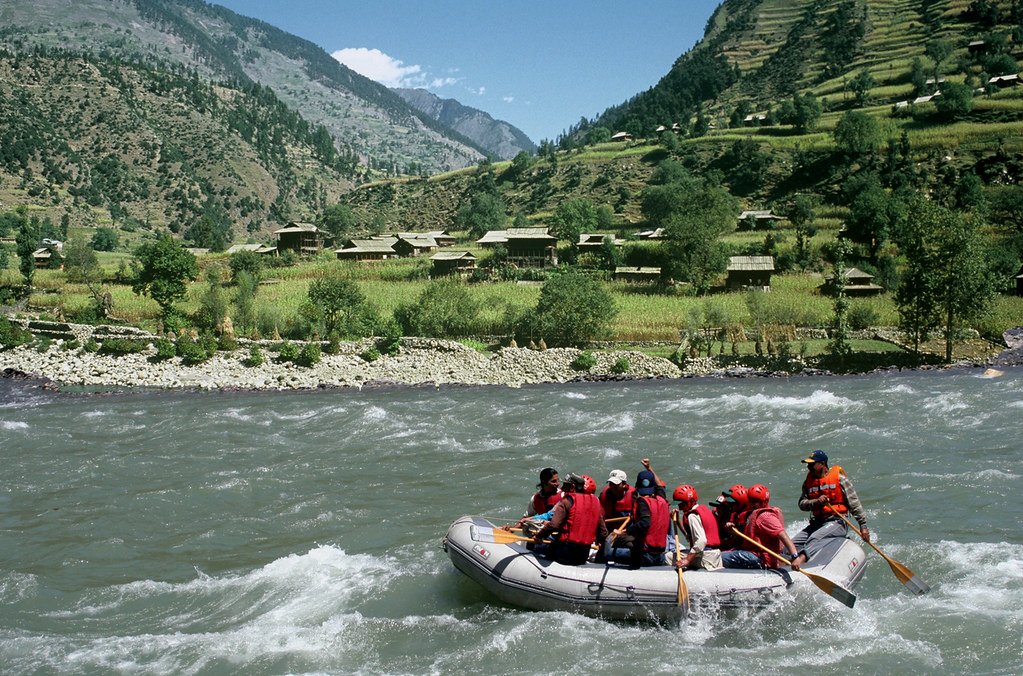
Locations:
(617, 477)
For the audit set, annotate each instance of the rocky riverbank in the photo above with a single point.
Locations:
(419, 361)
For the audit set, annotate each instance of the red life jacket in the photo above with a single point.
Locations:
(615, 509)
(660, 521)
(769, 540)
(583, 518)
(543, 504)
(830, 486)
(710, 525)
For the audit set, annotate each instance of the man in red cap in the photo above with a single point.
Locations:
(765, 525)
(827, 492)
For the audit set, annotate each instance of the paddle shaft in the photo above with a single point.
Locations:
(905, 575)
(683, 590)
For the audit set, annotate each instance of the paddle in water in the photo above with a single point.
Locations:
(830, 588)
(905, 575)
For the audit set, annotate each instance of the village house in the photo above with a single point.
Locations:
(527, 247)
(452, 263)
(762, 218)
(750, 272)
(595, 241)
(442, 237)
(302, 238)
(857, 283)
(261, 249)
(49, 255)
(1004, 81)
(621, 136)
(657, 233)
(637, 275)
(413, 244)
(367, 250)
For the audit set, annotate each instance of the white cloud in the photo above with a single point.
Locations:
(439, 82)
(508, 99)
(478, 92)
(376, 65)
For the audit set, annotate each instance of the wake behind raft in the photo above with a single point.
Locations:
(515, 575)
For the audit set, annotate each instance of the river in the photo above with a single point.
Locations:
(223, 533)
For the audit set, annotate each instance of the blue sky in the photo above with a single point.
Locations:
(539, 64)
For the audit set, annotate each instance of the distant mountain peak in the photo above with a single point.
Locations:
(499, 138)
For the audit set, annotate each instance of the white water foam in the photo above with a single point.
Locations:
(13, 425)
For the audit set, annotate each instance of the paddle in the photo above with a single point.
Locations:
(905, 575)
(683, 590)
(833, 590)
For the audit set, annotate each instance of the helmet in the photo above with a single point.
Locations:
(575, 480)
(759, 492)
(739, 494)
(589, 485)
(686, 494)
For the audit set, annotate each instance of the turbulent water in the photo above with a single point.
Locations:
(290, 533)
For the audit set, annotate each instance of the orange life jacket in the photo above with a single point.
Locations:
(710, 525)
(830, 486)
(583, 518)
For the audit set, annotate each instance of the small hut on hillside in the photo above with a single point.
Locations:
(302, 238)
(452, 263)
(750, 272)
(857, 283)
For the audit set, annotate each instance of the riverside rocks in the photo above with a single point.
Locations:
(418, 361)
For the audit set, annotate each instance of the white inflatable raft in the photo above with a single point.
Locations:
(515, 575)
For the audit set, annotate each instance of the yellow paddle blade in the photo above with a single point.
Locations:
(839, 593)
(905, 575)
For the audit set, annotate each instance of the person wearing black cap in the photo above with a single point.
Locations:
(647, 533)
(578, 521)
(827, 491)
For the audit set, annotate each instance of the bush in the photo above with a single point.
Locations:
(190, 351)
(390, 338)
(70, 344)
(862, 316)
(165, 349)
(621, 366)
(227, 343)
(309, 355)
(255, 357)
(573, 309)
(43, 344)
(91, 345)
(584, 361)
(12, 335)
(443, 310)
(120, 346)
(287, 351)
(369, 355)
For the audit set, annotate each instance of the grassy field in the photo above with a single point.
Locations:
(643, 314)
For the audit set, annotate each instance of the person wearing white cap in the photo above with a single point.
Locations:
(616, 498)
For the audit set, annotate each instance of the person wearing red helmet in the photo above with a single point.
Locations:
(700, 527)
(766, 525)
(578, 521)
(827, 492)
(589, 485)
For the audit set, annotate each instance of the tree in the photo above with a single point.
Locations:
(244, 300)
(746, 165)
(484, 211)
(80, 261)
(839, 347)
(165, 266)
(520, 165)
(694, 214)
(801, 215)
(26, 243)
(246, 261)
(598, 135)
(918, 76)
(104, 239)
(343, 306)
(861, 86)
(806, 112)
(938, 50)
(955, 101)
(573, 310)
(443, 310)
(571, 219)
(338, 220)
(873, 213)
(858, 134)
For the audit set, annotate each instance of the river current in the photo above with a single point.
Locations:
(294, 533)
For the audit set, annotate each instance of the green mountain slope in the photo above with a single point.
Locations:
(364, 117)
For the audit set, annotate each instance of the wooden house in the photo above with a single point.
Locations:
(452, 263)
(976, 47)
(750, 272)
(261, 249)
(1003, 81)
(442, 237)
(657, 233)
(302, 238)
(621, 136)
(637, 275)
(857, 283)
(367, 250)
(411, 245)
(762, 218)
(48, 258)
(595, 241)
(527, 247)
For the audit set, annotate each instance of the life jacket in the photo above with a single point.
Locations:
(584, 515)
(543, 504)
(710, 525)
(660, 521)
(769, 540)
(830, 486)
(615, 509)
